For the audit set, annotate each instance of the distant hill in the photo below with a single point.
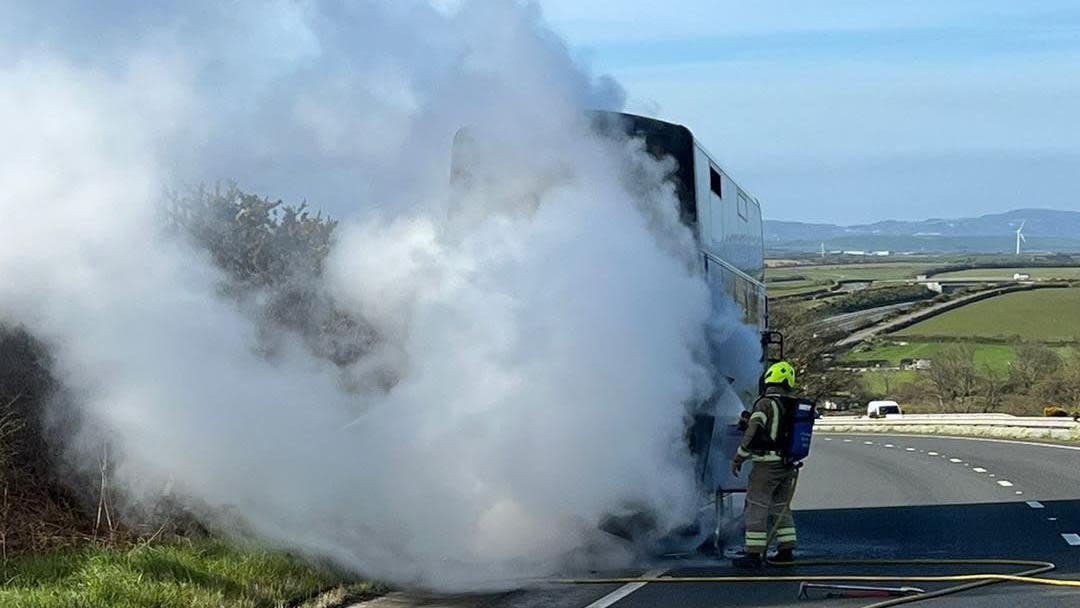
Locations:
(1045, 229)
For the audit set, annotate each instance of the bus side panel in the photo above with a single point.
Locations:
(729, 227)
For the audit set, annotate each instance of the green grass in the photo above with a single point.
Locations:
(203, 575)
(787, 288)
(803, 279)
(996, 356)
(1066, 273)
(876, 381)
(1042, 315)
(851, 272)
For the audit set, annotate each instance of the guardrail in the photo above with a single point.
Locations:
(977, 425)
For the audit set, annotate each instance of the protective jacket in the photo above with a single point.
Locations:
(772, 482)
(759, 441)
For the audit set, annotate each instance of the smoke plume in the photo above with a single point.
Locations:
(543, 330)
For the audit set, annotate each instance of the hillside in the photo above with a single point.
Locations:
(1045, 229)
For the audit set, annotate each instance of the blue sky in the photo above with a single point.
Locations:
(849, 111)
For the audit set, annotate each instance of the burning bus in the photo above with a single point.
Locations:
(726, 225)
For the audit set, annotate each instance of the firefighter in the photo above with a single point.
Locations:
(772, 481)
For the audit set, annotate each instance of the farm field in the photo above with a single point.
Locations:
(1047, 273)
(793, 280)
(883, 382)
(1044, 315)
(850, 272)
(787, 288)
(994, 356)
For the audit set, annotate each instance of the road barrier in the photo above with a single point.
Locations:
(1002, 426)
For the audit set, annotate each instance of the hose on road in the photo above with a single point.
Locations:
(1030, 574)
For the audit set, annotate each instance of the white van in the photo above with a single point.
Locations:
(880, 409)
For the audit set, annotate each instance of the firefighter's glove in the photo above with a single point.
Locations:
(736, 467)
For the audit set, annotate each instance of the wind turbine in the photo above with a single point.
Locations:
(1020, 236)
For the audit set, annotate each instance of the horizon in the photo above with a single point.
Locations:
(930, 219)
(872, 112)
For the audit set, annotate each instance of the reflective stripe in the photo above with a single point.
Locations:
(768, 457)
(786, 531)
(761, 535)
(784, 537)
(742, 452)
(759, 416)
(774, 432)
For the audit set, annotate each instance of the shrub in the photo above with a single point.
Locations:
(1054, 411)
(277, 250)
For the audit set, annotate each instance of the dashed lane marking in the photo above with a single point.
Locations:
(955, 460)
(889, 445)
(1034, 504)
(1005, 483)
(978, 469)
(1072, 539)
(909, 449)
(868, 443)
(1051, 519)
(932, 453)
(624, 591)
(1018, 492)
(828, 439)
(847, 441)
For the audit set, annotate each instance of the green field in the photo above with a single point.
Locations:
(996, 356)
(883, 383)
(1067, 273)
(792, 280)
(1043, 315)
(788, 288)
(850, 272)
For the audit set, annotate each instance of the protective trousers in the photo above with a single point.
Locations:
(767, 495)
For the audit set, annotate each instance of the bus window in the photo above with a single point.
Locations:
(716, 183)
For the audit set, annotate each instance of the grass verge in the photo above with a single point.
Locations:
(199, 575)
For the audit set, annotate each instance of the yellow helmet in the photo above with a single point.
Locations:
(781, 373)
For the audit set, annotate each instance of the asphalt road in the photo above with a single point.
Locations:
(889, 497)
(850, 321)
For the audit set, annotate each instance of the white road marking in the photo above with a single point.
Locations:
(992, 475)
(828, 439)
(624, 591)
(1034, 504)
(1051, 519)
(847, 441)
(1072, 539)
(955, 460)
(951, 437)
(889, 445)
(909, 449)
(978, 469)
(1005, 483)
(932, 453)
(868, 442)
(1018, 492)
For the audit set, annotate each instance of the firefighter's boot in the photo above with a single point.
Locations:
(784, 555)
(748, 561)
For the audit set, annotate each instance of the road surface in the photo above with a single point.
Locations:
(886, 497)
(850, 321)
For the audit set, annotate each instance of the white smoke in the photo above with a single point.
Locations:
(546, 329)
